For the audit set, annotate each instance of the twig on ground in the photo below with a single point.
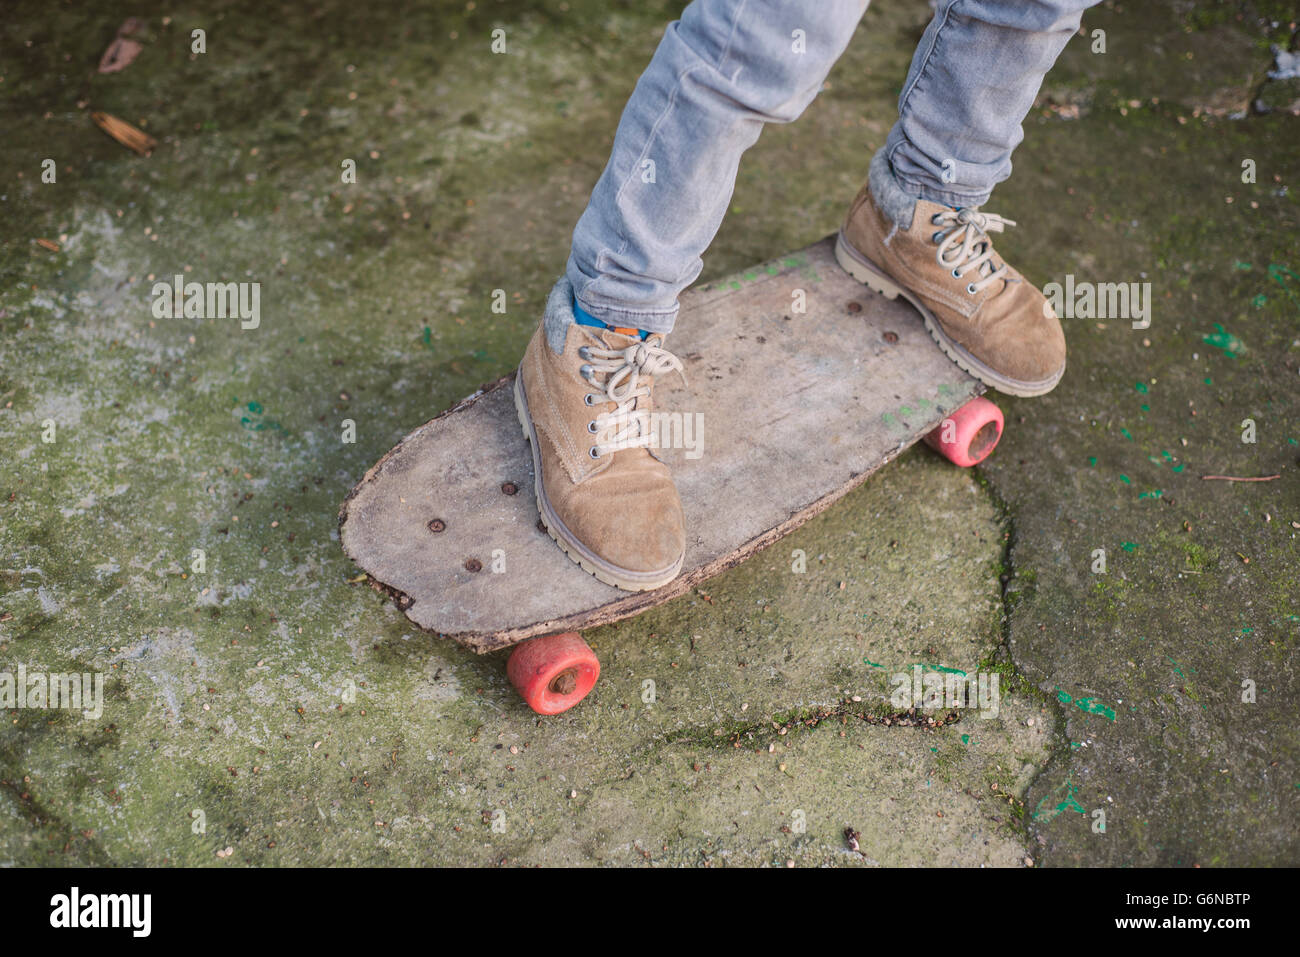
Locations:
(126, 134)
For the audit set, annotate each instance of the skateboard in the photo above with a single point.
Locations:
(799, 383)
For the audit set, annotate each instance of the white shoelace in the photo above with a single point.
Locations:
(626, 427)
(964, 245)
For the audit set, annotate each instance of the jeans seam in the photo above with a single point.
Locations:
(911, 88)
(654, 130)
(925, 64)
(726, 50)
(641, 156)
(644, 152)
(677, 83)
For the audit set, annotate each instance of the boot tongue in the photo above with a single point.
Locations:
(614, 340)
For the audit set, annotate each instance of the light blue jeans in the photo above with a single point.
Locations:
(729, 66)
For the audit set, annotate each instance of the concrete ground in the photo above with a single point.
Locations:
(262, 707)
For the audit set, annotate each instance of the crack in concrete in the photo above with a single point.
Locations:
(1059, 752)
(808, 719)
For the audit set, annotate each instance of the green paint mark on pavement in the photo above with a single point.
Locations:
(1086, 705)
(252, 425)
(1275, 273)
(1225, 341)
(947, 671)
(1092, 706)
(1067, 803)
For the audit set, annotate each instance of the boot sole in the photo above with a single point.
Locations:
(589, 561)
(865, 271)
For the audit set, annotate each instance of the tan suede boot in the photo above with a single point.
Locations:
(584, 400)
(984, 315)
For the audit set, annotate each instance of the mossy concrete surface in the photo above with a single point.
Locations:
(169, 487)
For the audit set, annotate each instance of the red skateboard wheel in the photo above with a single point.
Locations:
(553, 673)
(967, 436)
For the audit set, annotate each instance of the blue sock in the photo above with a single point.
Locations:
(584, 318)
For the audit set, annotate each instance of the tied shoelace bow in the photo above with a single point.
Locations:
(964, 245)
(626, 427)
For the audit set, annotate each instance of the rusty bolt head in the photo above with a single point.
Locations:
(510, 488)
(854, 307)
(564, 682)
(473, 565)
(891, 337)
(437, 525)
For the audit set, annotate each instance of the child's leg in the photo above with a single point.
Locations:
(973, 78)
(721, 72)
(913, 229)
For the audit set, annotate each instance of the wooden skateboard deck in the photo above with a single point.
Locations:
(794, 409)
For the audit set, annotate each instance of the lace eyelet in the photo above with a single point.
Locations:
(934, 238)
(970, 288)
(585, 371)
(956, 274)
(588, 398)
(593, 453)
(591, 427)
(584, 352)
(934, 220)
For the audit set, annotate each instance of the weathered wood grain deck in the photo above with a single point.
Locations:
(796, 410)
